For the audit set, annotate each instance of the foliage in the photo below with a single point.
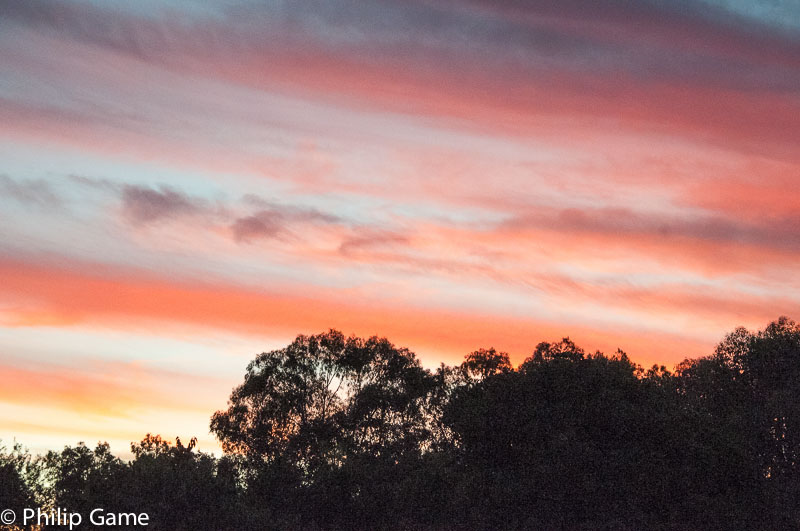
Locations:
(346, 433)
(17, 479)
(325, 399)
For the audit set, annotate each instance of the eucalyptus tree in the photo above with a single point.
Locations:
(326, 398)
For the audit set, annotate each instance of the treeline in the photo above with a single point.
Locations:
(338, 433)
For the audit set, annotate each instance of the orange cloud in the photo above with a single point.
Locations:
(109, 389)
(131, 299)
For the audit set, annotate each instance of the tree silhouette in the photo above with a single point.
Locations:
(326, 398)
(16, 475)
(752, 384)
(343, 433)
(484, 363)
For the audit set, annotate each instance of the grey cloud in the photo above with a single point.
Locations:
(104, 185)
(147, 205)
(250, 228)
(144, 205)
(275, 219)
(778, 232)
(35, 192)
(570, 34)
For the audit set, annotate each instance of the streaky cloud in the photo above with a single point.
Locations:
(141, 205)
(274, 219)
(29, 192)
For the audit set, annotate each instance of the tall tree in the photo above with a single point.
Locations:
(326, 398)
(16, 491)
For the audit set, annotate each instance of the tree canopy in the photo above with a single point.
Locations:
(335, 432)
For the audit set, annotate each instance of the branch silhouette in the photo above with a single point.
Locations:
(335, 432)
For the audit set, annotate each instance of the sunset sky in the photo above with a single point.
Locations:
(185, 186)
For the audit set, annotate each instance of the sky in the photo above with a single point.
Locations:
(183, 187)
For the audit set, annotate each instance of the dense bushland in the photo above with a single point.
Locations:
(343, 433)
